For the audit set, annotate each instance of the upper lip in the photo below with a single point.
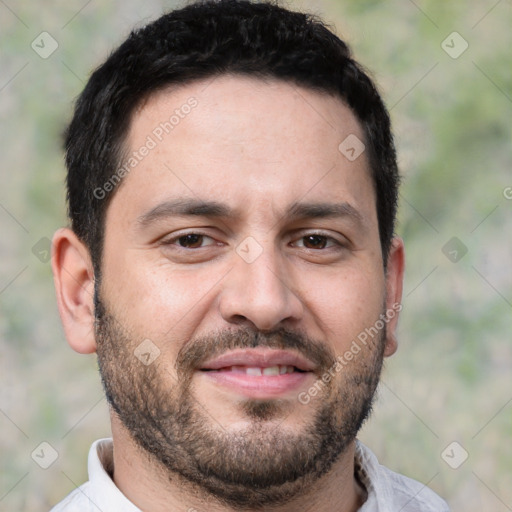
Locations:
(258, 358)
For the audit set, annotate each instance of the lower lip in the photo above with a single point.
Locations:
(259, 387)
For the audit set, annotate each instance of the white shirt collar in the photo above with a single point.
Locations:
(386, 491)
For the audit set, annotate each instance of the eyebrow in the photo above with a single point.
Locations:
(186, 207)
(324, 210)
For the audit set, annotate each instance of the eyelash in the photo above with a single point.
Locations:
(171, 241)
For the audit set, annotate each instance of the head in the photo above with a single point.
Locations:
(232, 188)
(201, 42)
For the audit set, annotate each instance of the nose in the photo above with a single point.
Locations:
(260, 293)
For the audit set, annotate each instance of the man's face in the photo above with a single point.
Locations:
(244, 306)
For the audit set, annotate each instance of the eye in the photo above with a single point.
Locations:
(318, 241)
(190, 241)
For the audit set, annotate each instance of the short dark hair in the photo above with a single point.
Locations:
(200, 41)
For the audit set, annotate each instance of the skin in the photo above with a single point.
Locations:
(234, 149)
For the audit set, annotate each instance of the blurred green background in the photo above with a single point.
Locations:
(451, 106)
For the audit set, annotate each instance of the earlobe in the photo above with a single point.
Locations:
(394, 287)
(73, 276)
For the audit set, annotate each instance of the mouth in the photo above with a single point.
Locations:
(259, 373)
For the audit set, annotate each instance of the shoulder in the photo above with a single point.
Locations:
(85, 498)
(393, 491)
(100, 491)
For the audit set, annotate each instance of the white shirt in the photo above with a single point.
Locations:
(387, 491)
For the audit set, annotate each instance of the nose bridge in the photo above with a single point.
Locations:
(258, 289)
(263, 274)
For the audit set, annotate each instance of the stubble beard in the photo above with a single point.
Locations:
(262, 465)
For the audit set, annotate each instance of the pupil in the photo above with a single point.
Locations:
(316, 240)
(190, 240)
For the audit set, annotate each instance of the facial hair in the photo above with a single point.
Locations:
(262, 465)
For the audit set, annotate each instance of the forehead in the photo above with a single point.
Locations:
(246, 141)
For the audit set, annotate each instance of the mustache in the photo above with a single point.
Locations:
(196, 352)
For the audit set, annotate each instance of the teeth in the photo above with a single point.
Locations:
(255, 371)
(271, 370)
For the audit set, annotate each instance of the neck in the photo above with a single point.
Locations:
(143, 481)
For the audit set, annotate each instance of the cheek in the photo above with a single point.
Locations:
(157, 301)
(346, 303)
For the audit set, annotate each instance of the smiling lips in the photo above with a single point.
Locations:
(259, 373)
(258, 358)
(256, 371)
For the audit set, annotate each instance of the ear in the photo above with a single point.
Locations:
(394, 286)
(73, 276)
